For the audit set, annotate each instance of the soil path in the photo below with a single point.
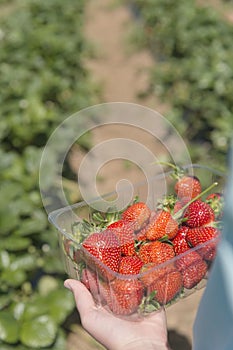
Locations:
(122, 75)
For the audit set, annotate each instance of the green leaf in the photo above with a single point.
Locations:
(12, 347)
(4, 259)
(39, 332)
(24, 262)
(9, 192)
(5, 300)
(53, 264)
(22, 205)
(9, 221)
(13, 243)
(33, 225)
(17, 309)
(47, 284)
(60, 343)
(9, 328)
(13, 278)
(60, 303)
(35, 308)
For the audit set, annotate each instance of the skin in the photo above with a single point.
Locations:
(115, 333)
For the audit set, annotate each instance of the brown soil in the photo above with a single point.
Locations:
(122, 75)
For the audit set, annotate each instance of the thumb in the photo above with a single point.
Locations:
(83, 298)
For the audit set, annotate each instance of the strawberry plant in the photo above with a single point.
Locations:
(43, 80)
(192, 71)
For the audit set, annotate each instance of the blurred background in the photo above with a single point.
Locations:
(58, 57)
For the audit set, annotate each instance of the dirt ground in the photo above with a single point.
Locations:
(122, 75)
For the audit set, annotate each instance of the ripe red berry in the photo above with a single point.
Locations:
(130, 265)
(156, 252)
(206, 235)
(162, 225)
(216, 202)
(167, 286)
(125, 233)
(124, 296)
(179, 242)
(192, 267)
(138, 214)
(199, 213)
(103, 247)
(188, 187)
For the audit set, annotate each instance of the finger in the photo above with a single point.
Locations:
(83, 298)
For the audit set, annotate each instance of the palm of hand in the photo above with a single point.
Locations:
(115, 333)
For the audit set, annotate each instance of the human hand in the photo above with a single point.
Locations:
(115, 333)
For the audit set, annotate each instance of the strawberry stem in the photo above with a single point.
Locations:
(178, 170)
(180, 212)
(168, 164)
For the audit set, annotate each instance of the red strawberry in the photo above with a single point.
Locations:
(204, 235)
(152, 271)
(97, 287)
(125, 233)
(89, 279)
(104, 247)
(162, 225)
(130, 265)
(192, 267)
(166, 287)
(124, 296)
(213, 196)
(156, 251)
(198, 214)
(179, 242)
(188, 187)
(199, 235)
(216, 202)
(138, 214)
(140, 235)
(178, 206)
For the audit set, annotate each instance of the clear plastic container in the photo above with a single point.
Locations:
(134, 296)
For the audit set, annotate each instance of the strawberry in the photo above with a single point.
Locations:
(192, 267)
(199, 235)
(199, 213)
(156, 251)
(105, 248)
(130, 265)
(188, 187)
(140, 235)
(216, 202)
(125, 233)
(162, 225)
(138, 214)
(179, 242)
(124, 296)
(179, 204)
(89, 279)
(202, 235)
(166, 287)
(151, 272)
(213, 196)
(98, 288)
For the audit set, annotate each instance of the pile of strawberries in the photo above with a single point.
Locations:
(147, 258)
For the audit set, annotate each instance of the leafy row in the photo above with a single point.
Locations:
(42, 80)
(193, 70)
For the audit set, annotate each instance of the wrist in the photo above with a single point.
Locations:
(146, 344)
